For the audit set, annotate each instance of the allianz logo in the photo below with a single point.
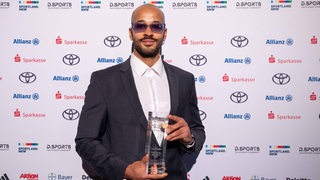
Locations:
(34, 96)
(74, 78)
(287, 98)
(245, 116)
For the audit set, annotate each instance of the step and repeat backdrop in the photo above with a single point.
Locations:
(256, 65)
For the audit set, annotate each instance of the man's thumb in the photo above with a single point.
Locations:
(145, 158)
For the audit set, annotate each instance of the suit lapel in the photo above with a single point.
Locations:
(173, 87)
(131, 92)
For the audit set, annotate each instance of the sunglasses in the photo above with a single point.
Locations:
(155, 27)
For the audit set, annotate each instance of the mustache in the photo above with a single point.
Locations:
(148, 38)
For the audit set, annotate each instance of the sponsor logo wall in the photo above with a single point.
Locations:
(256, 67)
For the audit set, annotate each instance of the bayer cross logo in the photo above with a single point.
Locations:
(239, 97)
(27, 77)
(239, 41)
(71, 59)
(52, 176)
(198, 60)
(112, 41)
(281, 78)
(70, 114)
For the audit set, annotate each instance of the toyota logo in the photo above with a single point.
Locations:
(198, 60)
(70, 114)
(239, 41)
(112, 41)
(203, 115)
(239, 97)
(71, 59)
(27, 77)
(281, 78)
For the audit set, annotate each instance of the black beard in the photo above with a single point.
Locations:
(150, 54)
(147, 54)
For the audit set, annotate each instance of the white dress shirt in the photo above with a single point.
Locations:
(152, 86)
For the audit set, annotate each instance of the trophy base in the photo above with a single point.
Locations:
(157, 168)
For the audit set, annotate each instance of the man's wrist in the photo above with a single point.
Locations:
(191, 143)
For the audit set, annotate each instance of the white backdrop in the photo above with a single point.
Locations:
(42, 94)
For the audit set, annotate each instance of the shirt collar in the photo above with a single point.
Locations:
(141, 68)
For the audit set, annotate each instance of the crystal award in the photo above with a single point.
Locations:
(156, 142)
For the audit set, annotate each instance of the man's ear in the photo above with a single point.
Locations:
(165, 34)
(131, 34)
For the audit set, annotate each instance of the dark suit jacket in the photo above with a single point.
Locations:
(112, 126)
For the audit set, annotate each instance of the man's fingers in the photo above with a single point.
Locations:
(174, 136)
(176, 127)
(157, 176)
(174, 118)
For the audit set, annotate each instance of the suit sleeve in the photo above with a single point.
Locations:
(193, 118)
(91, 129)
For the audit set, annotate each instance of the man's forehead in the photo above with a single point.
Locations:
(148, 20)
(148, 14)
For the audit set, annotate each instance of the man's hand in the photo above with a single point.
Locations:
(137, 171)
(179, 130)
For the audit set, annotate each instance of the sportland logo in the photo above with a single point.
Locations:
(25, 5)
(90, 5)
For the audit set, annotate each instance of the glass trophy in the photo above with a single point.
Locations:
(156, 142)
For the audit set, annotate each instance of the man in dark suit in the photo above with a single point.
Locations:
(112, 129)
